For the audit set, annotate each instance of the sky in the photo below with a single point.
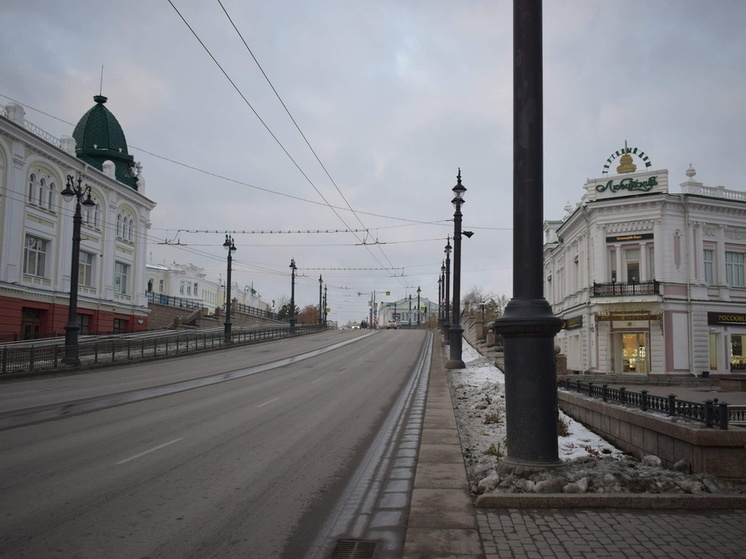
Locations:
(355, 117)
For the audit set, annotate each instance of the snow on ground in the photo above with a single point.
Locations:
(590, 463)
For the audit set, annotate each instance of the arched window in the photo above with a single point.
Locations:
(130, 233)
(119, 226)
(51, 196)
(31, 187)
(42, 188)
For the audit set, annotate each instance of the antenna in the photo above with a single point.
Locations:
(101, 83)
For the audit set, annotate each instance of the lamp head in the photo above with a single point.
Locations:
(459, 189)
(68, 193)
(467, 234)
(448, 247)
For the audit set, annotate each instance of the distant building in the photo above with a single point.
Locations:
(400, 312)
(188, 284)
(37, 224)
(649, 281)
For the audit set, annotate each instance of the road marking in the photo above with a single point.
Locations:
(268, 402)
(317, 380)
(160, 446)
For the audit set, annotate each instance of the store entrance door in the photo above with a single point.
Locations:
(633, 352)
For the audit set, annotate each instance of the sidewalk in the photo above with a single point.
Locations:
(444, 523)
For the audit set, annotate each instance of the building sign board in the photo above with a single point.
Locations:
(726, 318)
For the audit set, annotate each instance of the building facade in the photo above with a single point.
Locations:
(37, 227)
(649, 281)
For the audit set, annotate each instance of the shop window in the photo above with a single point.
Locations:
(737, 358)
(634, 353)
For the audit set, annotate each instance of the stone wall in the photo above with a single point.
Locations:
(704, 449)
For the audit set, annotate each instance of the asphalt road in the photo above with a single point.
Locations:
(246, 468)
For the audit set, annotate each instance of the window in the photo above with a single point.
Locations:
(734, 269)
(709, 258)
(35, 256)
(121, 271)
(181, 288)
(85, 269)
(130, 228)
(632, 258)
(651, 263)
(612, 265)
(119, 226)
(42, 189)
(160, 286)
(32, 186)
(91, 215)
(120, 325)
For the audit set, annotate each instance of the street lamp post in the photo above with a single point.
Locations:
(72, 328)
(292, 295)
(418, 306)
(321, 309)
(528, 325)
(441, 280)
(447, 318)
(410, 311)
(325, 303)
(230, 246)
(455, 331)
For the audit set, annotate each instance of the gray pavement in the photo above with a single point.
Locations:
(444, 523)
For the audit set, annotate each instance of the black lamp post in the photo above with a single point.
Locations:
(441, 280)
(455, 331)
(231, 248)
(447, 318)
(325, 305)
(292, 295)
(410, 311)
(321, 309)
(418, 306)
(73, 190)
(528, 325)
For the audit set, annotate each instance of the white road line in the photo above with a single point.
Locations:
(317, 380)
(268, 402)
(160, 446)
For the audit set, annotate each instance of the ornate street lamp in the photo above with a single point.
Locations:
(418, 306)
(72, 328)
(410, 311)
(325, 303)
(455, 330)
(441, 289)
(231, 248)
(321, 309)
(292, 295)
(447, 318)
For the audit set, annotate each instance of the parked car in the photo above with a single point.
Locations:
(391, 324)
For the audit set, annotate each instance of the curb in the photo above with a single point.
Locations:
(658, 501)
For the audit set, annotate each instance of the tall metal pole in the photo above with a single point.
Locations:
(231, 248)
(410, 311)
(72, 328)
(441, 288)
(321, 309)
(325, 303)
(292, 295)
(447, 318)
(418, 306)
(455, 331)
(528, 325)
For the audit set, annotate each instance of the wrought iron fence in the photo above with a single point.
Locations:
(625, 289)
(712, 413)
(48, 355)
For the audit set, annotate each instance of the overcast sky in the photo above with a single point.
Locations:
(394, 96)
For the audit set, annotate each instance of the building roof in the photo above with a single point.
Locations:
(99, 137)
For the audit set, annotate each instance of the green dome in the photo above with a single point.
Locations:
(99, 137)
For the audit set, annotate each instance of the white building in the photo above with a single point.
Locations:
(188, 285)
(649, 281)
(37, 227)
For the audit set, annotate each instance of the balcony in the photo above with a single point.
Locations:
(626, 289)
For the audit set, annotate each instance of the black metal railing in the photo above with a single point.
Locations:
(712, 413)
(48, 355)
(616, 289)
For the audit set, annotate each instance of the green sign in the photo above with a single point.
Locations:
(633, 185)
